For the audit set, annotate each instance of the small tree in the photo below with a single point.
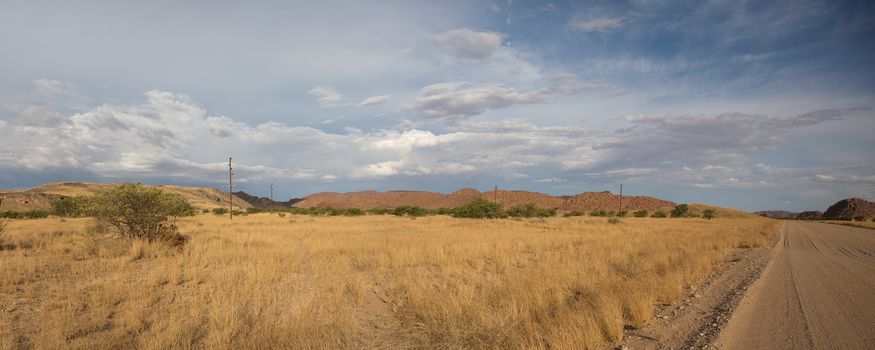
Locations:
(859, 218)
(70, 206)
(659, 214)
(140, 212)
(530, 210)
(641, 213)
(680, 211)
(479, 209)
(709, 213)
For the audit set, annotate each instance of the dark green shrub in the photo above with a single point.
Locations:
(573, 213)
(380, 211)
(409, 210)
(220, 211)
(254, 210)
(709, 213)
(599, 213)
(479, 209)
(140, 212)
(205, 211)
(659, 214)
(641, 213)
(681, 210)
(353, 212)
(445, 211)
(530, 211)
(622, 213)
(859, 218)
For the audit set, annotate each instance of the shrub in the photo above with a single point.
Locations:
(530, 211)
(680, 211)
(140, 212)
(659, 214)
(30, 214)
(380, 211)
(409, 210)
(254, 210)
(479, 209)
(220, 211)
(444, 211)
(573, 213)
(641, 213)
(613, 220)
(622, 213)
(859, 218)
(70, 206)
(205, 211)
(709, 213)
(599, 213)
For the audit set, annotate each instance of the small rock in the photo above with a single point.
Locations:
(697, 295)
(702, 334)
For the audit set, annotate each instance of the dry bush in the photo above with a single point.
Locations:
(355, 282)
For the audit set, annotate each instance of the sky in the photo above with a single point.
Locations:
(746, 104)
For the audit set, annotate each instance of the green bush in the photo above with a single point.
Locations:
(530, 211)
(220, 211)
(140, 212)
(445, 211)
(479, 209)
(573, 213)
(859, 218)
(70, 206)
(641, 213)
(681, 210)
(709, 213)
(205, 211)
(613, 220)
(380, 211)
(408, 210)
(599, 213)
(659, 214)
(622, 213)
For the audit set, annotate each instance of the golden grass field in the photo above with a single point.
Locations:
(265, 281)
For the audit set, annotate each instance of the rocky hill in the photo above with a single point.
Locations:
(777, 214)
(851, 207)
(587, 201)
(41, 197)
(264, 202)
(810, 215)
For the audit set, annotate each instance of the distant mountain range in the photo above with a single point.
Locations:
(41, 198)
(845, 208)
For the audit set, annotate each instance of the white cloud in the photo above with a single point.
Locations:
(599, 24)
(374, 100)
(467, 44)
(326, 96)
(457, 100)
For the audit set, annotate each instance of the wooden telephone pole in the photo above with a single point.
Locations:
(621, 198)
(230, 191)
(271, 191)
(496, 194)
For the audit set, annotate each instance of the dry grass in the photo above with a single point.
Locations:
(366, 282)
(861, 224)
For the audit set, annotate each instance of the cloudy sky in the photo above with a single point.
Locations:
(746, 104)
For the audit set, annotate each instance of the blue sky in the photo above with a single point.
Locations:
(746, 104)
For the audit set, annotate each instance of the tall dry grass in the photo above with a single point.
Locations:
(263, 281)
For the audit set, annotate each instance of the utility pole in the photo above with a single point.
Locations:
(496, 194)
(271, 191)
(621, 198)
(230, 189)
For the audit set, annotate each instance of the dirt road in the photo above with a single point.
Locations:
(818, 292)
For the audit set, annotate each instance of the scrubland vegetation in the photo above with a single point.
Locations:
(286, 280)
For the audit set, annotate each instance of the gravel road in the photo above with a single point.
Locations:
(817, 292)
